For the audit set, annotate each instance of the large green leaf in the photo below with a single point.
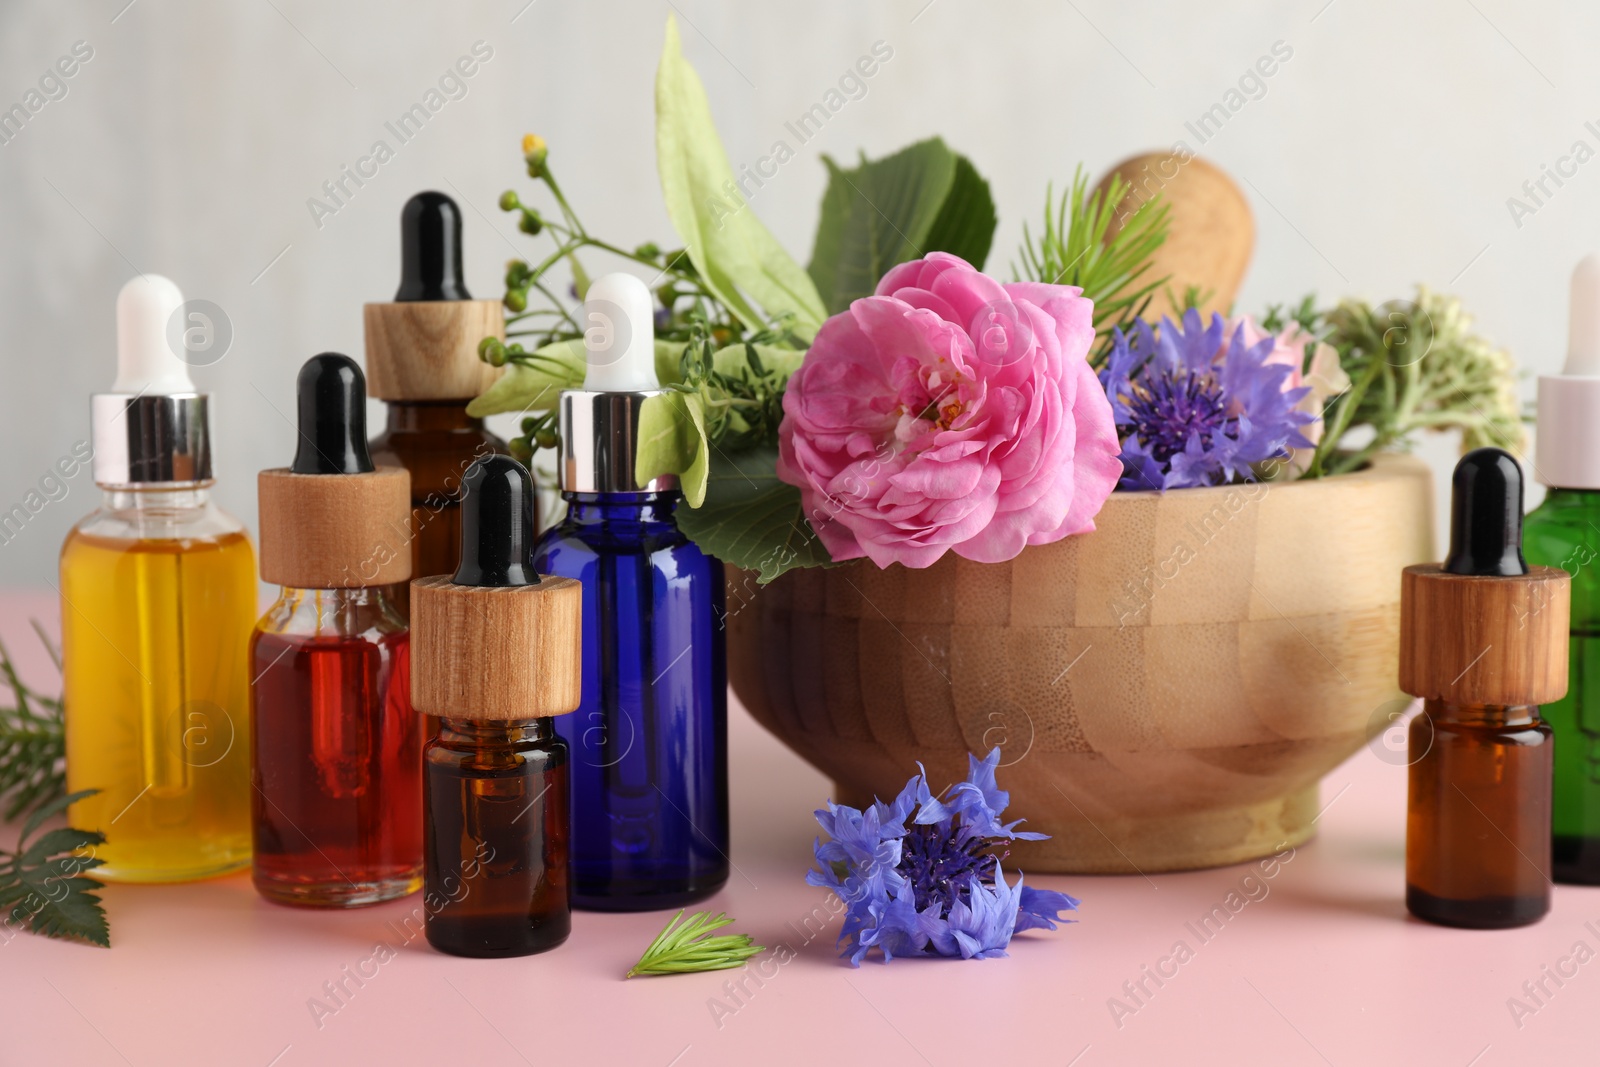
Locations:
(737, 257)
(752, 520)
(672, 440)
(924, 198)
(536, 384)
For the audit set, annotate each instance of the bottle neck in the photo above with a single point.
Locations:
(344, 611)
(485, 733)
(430, 416)
(1490, 715)
(157, 498)
(609, 507)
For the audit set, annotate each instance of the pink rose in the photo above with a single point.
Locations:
(1326, 375)
(948, 411)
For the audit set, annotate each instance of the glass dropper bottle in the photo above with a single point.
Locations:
(1564, 532)
(422, 361)
(497, 659)
(1483, 641)
(336, 746)
(158, 594)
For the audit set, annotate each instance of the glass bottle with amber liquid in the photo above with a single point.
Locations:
(158, 594)
(1483, 641)
(337, 757)
(422, 361)
(497, 658)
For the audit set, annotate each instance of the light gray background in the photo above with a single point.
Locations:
(1382, 154)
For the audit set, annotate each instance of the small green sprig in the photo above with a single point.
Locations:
(684, 947)
(42, 884)
(32, 740)
(1415, 365)
(1077, 247)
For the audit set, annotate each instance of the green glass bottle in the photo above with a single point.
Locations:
(1564, 531)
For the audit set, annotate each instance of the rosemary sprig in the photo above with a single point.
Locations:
(684, 947)
(32, 741)
(1074, 249)
(42, 884)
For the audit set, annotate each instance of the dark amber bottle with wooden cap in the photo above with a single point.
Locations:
(336, 749)
(422, 361)
(497, 657)
(1483, 643)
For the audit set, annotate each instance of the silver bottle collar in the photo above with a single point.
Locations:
(600, 443)
(142, 441)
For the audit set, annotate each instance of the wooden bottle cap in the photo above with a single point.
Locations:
(335, 531)
(428, 350)
(496, 653)
(1468, 639)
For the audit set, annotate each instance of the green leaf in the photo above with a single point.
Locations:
(42, 885)
(924, 198)
(686, 946)
(737, 257)
(752, 520)
(733, 359)
(966, 222)
(672, 440)
(49, 808)
(534, 382)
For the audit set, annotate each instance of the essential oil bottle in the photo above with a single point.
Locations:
(1564, 532)
(422, 361)
(158, 594)
(1483, 643)
(337, 751)
(497, 658)
(649, 743)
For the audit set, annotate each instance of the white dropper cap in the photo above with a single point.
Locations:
(1568, 432)
(619, 336)
(146, 362)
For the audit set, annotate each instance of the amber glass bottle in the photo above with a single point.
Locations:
(422, 361)
(1483, 642)
(436, 440)
(497, 837)
(496, 656)
(1480, 797)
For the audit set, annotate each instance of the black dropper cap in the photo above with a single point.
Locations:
(332, 397)
(496, 524)
(430, 250)
(1486, 516)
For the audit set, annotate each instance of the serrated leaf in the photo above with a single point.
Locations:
(737, 257)
(62, 839)
(42, 885)
(672, 440)
(49, 808)
(923, 198)
(751, 519)
(966, 223)
(536, 385)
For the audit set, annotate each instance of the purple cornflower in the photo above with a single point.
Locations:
(1195, 407)
(934, 887)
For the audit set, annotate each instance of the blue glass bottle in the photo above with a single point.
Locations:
(649, 764)
(649, 742)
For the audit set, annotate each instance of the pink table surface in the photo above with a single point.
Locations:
(1319, 965)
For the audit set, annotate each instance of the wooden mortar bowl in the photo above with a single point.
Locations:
(1167, 690)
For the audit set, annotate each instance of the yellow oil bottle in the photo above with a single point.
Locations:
(158, 599)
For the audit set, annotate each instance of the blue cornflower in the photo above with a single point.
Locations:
(1195, 407)
(933, 887)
